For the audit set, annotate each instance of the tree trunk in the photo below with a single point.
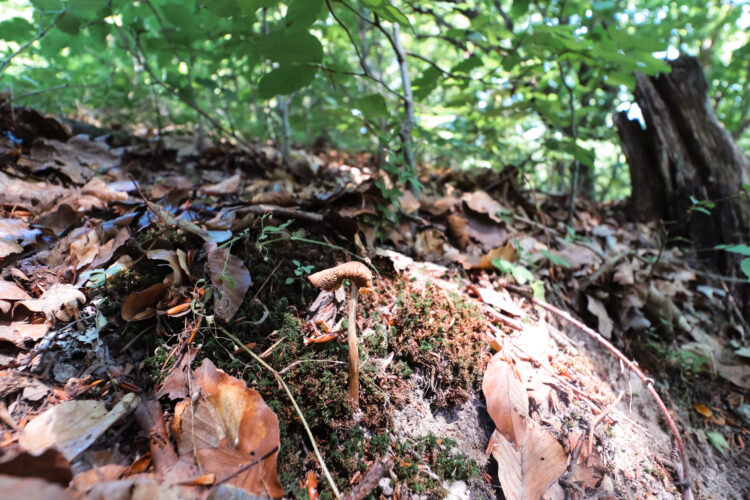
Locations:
(685, 154)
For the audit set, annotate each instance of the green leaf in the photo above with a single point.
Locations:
(746, 187)
(718, 441)
(248, 6)
(467, 64)
(301, 14)
(289, 47)
(520, 7)
(47, 5)
(85, 5)
(556, 259)
(285, 80)
(372, 106)
(69, 24)
(741, 249)
(426, 83)
(392, 14)
(16, 29)
(222, 8)
(522, 275)
(745, 266)
(372, 4)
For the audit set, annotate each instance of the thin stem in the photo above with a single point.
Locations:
(280, 380)
(28, 44)
(353, 348)
(648, 382)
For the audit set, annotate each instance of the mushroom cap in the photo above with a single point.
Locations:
(330, 279)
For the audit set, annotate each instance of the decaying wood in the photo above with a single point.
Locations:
(686, 154)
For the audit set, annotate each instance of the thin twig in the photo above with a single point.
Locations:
(649, 383)
(599, 418)
(30, 42)
(280, 380)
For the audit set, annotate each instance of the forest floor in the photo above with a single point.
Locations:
(159, 337)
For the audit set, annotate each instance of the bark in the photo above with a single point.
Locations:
(685, 153)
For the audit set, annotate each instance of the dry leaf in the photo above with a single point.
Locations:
(50, 465)
(73, 426)
(506, 252)
(232, 432)
(596, 307)
(139, 488)
(175, 384)
(231, 280)
(481, 202)
(59, 301)
(171, 258)
(10, 291)
(527, 469)
(142, 305)
(507, 402)
(27, 488)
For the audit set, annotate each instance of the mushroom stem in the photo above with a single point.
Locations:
(353, 348)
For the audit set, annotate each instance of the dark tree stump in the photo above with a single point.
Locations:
(685, 152)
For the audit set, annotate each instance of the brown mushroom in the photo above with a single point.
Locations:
(331, 279)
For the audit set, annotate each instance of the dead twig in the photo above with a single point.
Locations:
(649, 383)
(297, 409)
(599, 418)
(378, 470)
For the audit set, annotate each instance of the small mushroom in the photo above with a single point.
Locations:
(331, 279)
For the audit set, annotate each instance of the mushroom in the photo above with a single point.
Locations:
(331, 279)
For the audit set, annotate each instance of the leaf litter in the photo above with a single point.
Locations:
(120, 273)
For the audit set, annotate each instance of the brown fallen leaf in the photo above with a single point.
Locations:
(73, 426)
(59, 301)
(596, 307)
(142, 305)
(10, 291)
(231, 280)
(481, 202)
(175, 384)
(49, 465)
(140, 488)
(527, 469)
(26, 487)
(507, 402)
(231, 431)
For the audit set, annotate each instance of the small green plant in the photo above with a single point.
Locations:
(300, 272)
(520, 273)
(702, 206)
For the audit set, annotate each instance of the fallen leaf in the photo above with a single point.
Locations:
(527, 469)
(507, 402)
(506, 252)
(175, 384)
(27, 487)
(10, 291)
(232, 432)
(171, 258)
(230, 185)
(142, 305)
(596, 307)
(139, 488)
(702, 409)
(59, 301)
(73, 426)
(49, 465)
(231, 280)
(481, 202)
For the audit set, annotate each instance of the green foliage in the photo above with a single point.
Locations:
(494, 82)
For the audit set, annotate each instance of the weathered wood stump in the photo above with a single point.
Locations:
(686, 154)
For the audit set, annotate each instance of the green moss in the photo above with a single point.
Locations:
(440, 454)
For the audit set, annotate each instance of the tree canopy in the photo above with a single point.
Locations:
(455, 84)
